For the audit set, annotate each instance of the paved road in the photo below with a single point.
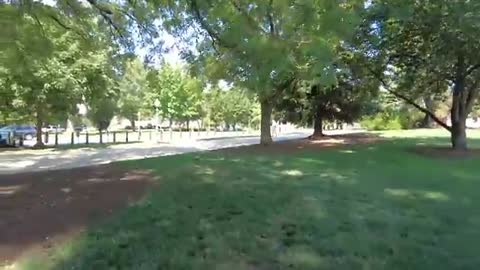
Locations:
(48, 159)
(133, 136)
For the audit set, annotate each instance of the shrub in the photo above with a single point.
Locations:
(411, 118)
(382, 121)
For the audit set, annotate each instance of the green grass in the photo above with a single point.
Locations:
(359, 207)
(431, 136)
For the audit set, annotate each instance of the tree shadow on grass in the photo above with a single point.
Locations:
(359, 207)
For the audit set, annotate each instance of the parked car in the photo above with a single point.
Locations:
(26, 132)
(147, 126)
(53, 129)
(80, 128)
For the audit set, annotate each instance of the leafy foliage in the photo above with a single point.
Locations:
(230, 107)
(422, 48)
(262, 45)
(179, 95)
(101, 112)
(132, 87)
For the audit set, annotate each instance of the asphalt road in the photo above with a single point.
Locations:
(18, 161)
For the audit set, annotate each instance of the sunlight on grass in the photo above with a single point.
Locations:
(302, 257)
(433, 195)
(425, 133)
(296, 173)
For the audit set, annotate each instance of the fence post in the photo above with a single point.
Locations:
(20, 143)
(56, 138)
(126, 136)
(87, 140)
(190, 133)
(72, 138)
(114, 137)
(161, 134)
(150, 135)
(171, 134)
(46, 137)
(139, 134)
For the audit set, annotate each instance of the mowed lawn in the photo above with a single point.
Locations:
(376, 206)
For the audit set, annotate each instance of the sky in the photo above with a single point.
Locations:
(170, 56)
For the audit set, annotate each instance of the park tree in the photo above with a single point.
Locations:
(213, 107)
(231, 107)
(262, 45)
(342, 102)
(190, 99)
(133, 87)
(101, 112)
(178, 93)
(237, 107)
(52, 68)
(412, 47)
(309, 101)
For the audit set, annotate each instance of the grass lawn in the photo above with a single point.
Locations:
(357, 207)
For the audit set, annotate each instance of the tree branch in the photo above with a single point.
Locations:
(472, 96)
(410, 101)
(211, 33)
(270, 18)
(249, 19)
(106, 15)
(60, 23)
(472, 69)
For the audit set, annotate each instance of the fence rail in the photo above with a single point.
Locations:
(130, 136)
(126, 136)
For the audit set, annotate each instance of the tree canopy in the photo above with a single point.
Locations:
(423, 48)
(326, 59)
(263, 46)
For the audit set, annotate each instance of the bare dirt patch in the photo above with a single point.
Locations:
(443, 152)
(37, 210)
(296, 146)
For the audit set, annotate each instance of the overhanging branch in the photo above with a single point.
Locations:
(251, 21)
(211, 33)
(410, 101)
(270, 18)
(472, 69)
(106, 15)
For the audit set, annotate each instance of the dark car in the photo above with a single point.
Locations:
(80, 128)
(26, 132)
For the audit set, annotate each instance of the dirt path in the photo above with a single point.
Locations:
(39, 209)
(317, 144)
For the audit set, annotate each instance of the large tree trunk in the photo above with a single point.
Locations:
(317, 126)
(459, 135)
(461, 106)
(132, 123)
(427, 121)
(458, 117)
(39, 125)
(266, 120)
